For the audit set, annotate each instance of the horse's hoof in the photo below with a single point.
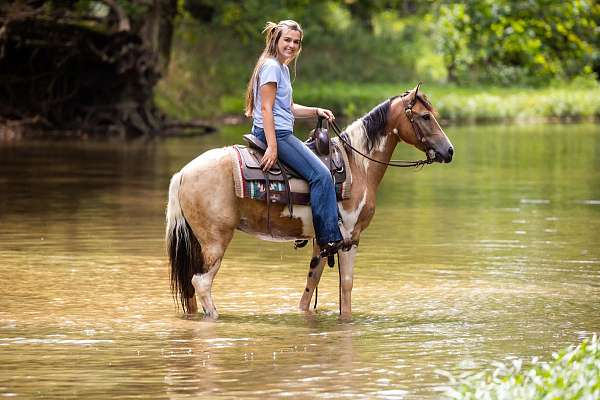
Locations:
(210, 317)
(345, 317)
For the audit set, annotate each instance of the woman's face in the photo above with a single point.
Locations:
(288, 45)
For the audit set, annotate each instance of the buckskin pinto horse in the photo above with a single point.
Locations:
(203, 210)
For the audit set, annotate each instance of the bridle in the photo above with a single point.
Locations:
(418, 134)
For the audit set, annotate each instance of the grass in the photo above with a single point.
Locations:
(456, 104)
(574, 373)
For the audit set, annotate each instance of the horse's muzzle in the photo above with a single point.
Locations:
(446, 156)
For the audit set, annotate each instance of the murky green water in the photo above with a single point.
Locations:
(494, 256)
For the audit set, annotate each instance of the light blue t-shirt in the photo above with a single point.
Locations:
(273, 71)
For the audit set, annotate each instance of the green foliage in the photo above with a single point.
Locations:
(346, 62)
(246, 19)
(209, 63)
(518, 42)
(574, 373)
(579, 100)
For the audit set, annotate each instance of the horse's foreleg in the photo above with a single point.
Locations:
(346, 260)
(203, 286)
(312, 281)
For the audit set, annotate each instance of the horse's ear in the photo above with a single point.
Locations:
(417, 88)
(414, 93)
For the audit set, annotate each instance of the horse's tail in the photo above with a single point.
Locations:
(185, 252)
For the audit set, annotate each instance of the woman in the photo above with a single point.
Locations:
(269, 102)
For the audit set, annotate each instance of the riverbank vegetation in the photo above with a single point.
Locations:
(100, 66)
(579, 100)
(480, 61)
(574, 373)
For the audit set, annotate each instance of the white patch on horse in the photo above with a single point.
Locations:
(270, 238)
(350, 217)
(358, 138)
(304, 214)
(382, 144)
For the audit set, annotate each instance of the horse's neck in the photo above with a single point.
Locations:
(370, 172)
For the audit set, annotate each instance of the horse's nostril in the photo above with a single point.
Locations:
(451, 151)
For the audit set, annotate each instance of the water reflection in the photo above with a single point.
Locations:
(492, 256)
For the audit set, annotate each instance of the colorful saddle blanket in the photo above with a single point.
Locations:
(251, 182)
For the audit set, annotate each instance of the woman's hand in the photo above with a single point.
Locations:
(323, 112)
(269, 159)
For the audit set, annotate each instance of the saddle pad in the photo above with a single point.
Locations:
(250, 188)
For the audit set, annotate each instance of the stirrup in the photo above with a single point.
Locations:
(333, 248)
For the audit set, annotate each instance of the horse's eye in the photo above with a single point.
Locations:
(426, 117)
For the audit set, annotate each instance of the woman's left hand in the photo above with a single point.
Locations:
(325, 113)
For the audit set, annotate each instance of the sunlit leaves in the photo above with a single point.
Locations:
(574, 373)
(515, 42)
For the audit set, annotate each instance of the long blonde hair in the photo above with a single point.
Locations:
(272, 33)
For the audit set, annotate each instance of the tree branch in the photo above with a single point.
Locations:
(124, 24)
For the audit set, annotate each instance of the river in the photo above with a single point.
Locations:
(493, 257)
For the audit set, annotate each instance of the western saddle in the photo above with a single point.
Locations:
(328, 152)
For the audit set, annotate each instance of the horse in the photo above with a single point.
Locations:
(203, 210)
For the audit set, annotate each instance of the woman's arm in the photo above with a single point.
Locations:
(267, 94)
(301, 111)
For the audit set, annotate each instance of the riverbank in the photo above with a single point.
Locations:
(475, 104)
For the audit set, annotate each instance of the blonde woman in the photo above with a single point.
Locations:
(269, 102)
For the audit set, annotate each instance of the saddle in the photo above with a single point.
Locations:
(282, 184)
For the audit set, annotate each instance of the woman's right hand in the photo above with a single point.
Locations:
(269, 159)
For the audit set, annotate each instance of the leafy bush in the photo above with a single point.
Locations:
(574, 373)
(518, 42)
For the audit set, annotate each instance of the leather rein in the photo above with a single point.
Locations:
(393, 163)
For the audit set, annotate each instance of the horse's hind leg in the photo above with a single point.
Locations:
(203, 286)
(215, 244)
(210, 207)
(312, 281)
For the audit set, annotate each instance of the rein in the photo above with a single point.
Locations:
(391, 163)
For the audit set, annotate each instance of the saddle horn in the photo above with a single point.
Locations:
(321, 136)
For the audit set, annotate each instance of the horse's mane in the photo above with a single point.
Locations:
(368, 131)
(374, 123)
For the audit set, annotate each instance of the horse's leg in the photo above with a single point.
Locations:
(312, 281)
(346, 261)
(203, 286)
(214, 245)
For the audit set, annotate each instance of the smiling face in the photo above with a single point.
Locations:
(288, 45)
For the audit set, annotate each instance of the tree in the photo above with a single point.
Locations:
(514, 41)
(85, 65)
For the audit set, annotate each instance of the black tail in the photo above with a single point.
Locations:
(185, 252)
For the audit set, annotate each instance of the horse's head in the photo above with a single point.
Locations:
(413, 121)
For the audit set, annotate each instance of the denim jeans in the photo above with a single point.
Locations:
(323, 202)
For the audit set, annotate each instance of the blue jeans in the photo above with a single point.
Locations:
(323, 202)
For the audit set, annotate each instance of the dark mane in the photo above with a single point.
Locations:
(374, 122)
